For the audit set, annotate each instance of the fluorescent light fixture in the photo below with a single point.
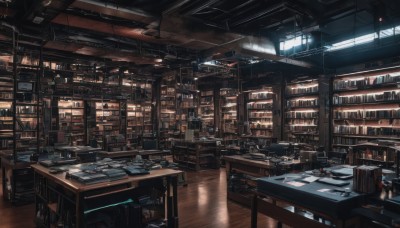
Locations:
(295, 42)
(368, 38)
(210, 63)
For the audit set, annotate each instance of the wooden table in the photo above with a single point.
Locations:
(300, 204)
(237, 164)
(78, 194)
(132, 153)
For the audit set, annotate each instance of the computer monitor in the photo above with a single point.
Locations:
(278, 149)
(149, 144)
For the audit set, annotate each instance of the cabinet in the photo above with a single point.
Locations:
(302, 111)
(195, 154)
(375, 152)
(259, 112)
(71, 122)
(365, 107)
(229, 123)
(207, 110)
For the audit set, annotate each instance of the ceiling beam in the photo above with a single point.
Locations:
(116, 11)
(174, 7)
(200, 7)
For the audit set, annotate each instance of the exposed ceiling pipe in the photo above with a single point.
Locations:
(201, 7)
(171, 9)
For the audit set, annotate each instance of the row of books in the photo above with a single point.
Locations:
(263, 133)
(302, 121)
(302, 103)
(385, 96)
(364, 130)
(303, 128)
(301, 90)
(367, 81)
(207, 93)
(5, 112)
(26, 109)
(360, 114)
(346, 141)
(301, 115)
(260, 114)
(261, 125)
(259, 105)
(260, 95)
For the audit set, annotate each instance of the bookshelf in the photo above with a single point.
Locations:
(27, 110)
(6, 111)
(229, 123)
(259, 112)
(381, 153)
(139, 108)
(207, 110)
(302, 111)
(71, 122)
(167, 121)
(365, 107)
(186, 99)
(107, 120)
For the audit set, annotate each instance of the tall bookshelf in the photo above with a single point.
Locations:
(71, 122)
(139, 108)
(207, 109)
(302, 111)
(167, 121)
(107, 120)
(365, 107)
(27, 110)
(6, 111)
(229, 123)
(259, 112)
(186, 101)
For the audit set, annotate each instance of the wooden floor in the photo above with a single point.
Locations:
(202, 203)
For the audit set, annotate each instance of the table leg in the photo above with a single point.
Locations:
(254, 211)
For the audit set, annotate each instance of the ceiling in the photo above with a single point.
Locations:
(142, 33)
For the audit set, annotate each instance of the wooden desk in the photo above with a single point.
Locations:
(132, 153)
(79, 194)
(237, 164)
(299, 204)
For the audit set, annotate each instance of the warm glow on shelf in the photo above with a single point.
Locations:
(260, 102)
(5, 105)
(367, 109)
(304, 99)
(303, 125)
(259, 92)
(304, 86)
(267, 111)
(305, 111)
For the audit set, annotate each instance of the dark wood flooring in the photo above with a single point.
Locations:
(202, 203)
